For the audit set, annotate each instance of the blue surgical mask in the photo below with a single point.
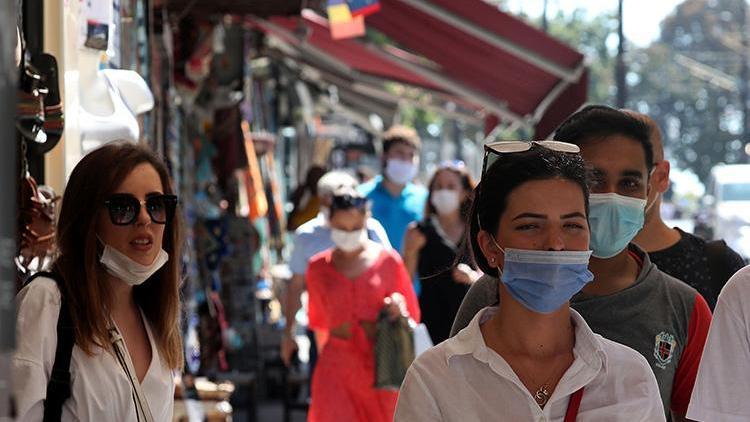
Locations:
(543, 281)
(614, 221)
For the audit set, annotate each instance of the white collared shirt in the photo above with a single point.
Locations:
(720, 392)
(463, 380)
(101, 390)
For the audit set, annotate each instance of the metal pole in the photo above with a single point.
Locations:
(8, 189)
(545, 24)
(744, 89)
(620, 65)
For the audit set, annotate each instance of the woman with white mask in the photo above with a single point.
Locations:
(532, 357)
(348, 286)
(434, 247)
(104, 322)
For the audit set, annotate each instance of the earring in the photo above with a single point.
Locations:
(492, 260)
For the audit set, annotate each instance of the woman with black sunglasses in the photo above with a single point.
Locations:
(348, 286)
(531, 357)
(108, 311)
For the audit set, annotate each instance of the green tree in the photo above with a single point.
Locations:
(590, 35)
(687, 82)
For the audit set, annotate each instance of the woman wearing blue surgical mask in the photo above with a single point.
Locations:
(348, 286)
(531, 358)
(106, 317)
(432, 246)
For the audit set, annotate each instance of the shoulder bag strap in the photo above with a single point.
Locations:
(143, 412)
(58, 386)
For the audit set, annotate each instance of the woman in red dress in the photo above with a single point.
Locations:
(347, 287)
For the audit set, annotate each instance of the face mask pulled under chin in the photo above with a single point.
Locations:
(123, 268)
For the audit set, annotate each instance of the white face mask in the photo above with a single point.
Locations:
(399, 171)
(445, 201)
(120, 266)
(349, 241)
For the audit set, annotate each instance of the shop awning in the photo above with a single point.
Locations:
(500, 63)
(342, 56)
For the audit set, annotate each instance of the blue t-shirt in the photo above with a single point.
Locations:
(395, 213)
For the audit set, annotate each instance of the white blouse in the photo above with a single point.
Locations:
(101, 390)
(463, 380)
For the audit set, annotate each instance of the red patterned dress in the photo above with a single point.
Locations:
(342, 384)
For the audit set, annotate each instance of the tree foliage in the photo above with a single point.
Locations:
(688, 82)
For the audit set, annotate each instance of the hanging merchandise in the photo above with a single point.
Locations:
(228, 139)
(342, 23)
(39, 115)
(363, 7)
(256, 195)
(37, 210)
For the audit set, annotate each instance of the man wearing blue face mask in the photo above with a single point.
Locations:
(630, 300)
(396, 201)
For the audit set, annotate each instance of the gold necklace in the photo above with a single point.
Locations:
(542, 395)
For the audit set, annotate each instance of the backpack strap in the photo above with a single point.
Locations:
(58, 387)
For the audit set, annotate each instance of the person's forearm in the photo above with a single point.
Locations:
(293, 303)
(410, 262)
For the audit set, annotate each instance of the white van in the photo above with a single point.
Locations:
(727, 203)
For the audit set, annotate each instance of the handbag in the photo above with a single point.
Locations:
(394, 351)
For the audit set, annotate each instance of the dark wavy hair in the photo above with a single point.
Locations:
(505, 174)
(599, 122)
(95, 178)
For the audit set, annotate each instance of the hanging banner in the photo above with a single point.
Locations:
(363, 7)
(342, 23)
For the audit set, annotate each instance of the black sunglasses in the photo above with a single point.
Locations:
(124, 208)
(343, 202)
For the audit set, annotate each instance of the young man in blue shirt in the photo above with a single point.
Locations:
(396, 201)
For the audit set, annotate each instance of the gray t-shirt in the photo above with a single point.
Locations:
(659, 316)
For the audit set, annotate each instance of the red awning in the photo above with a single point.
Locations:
(342, 55)
(505, 65)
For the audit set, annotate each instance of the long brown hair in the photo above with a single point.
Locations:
(96, 177)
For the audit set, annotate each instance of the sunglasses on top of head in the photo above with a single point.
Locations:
(124, 208)
(500, 148)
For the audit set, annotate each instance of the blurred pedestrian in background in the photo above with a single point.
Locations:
(305, 199)
(432, 247)
(310, 239)
(396, 201)
(348, 286)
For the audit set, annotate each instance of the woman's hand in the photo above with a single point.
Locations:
(395, 306)
(463, 274)
(414, 240)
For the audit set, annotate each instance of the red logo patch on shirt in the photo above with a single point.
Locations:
(664, 349)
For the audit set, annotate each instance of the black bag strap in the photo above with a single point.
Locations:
(58, 387)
